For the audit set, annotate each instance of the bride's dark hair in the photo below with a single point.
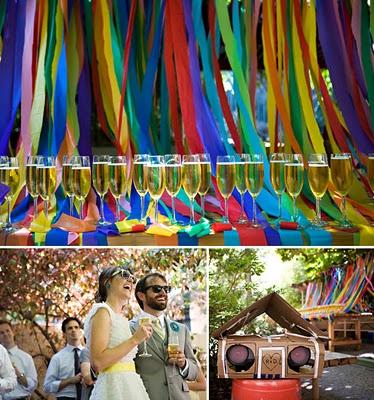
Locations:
(104, 281)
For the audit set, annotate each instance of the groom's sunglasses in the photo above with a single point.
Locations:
(158, 288)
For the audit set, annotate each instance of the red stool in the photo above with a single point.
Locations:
(262, 389)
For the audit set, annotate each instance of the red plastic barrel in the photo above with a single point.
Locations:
(262, 389)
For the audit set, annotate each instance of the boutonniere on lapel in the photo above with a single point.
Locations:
(174, 327)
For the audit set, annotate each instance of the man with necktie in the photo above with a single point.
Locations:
(63, 378)
(164, 372)
(22, 362)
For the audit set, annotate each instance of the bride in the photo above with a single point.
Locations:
(110, 342)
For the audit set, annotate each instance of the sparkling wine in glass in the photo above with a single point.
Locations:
(342, 179)
(226, 180)
(254, 177)
(67, 180)
(156, 179)
(10, 176)
(118, 179)
(277, 163)
(32, 183)
(140, 179)
(100, 175)
(240, 165)
(81, 180)
(47, 178)
(173, 177)
(4, 161)
(206, 172)
(294, 178)
(145, 321)
(191, 180)
(173, 348)
(318, 177)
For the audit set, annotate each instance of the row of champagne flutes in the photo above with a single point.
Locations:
(154, 174)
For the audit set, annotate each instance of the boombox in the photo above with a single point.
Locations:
(298, 353)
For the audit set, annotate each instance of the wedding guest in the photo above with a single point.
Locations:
(164, 374)
(111, 345)
(63, 378)
(22, 362)
(8, 379)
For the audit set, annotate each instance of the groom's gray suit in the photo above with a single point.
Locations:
(161, 379)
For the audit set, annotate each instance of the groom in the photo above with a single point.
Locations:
(164, 376)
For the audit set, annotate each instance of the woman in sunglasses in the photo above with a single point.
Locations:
(112, 346)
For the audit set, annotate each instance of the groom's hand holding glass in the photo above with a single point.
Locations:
(176, 356)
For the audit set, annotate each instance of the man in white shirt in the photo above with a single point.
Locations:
(8, 379)
(22, 362)
(164, 374)
(63, 378)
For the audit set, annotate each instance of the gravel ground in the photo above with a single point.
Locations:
(353, 382)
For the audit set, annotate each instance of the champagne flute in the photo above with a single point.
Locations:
(318, 177)
(173, 176)
(118, 179)
(156, 179)
(191, 179)
(173, 348)
(206, 172)
(240, 184)
(3, 177)
(100, 173)
(67, 180)
(226, 180)
(277, 162)
(140, 179)
(145, 321)
(342, 178)
(254, 177)
(46, 177)
(294, 178)
(11, 176)
(81, 178)
(32, 181)
(370, 167)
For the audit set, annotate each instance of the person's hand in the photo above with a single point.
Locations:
(178, 358)
(143, 332)
(87, 380)
(76, 379)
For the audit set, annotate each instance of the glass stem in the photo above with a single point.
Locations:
(241, 205)
(226, 211)
(254, 211)
(46, 208)
(9, 223)
(294, 209)
(174, 220)
(81, 209)
(102, 207)
(318, 211)
(145, 347)
(203, 206)
(117, 209)
(280, 206)
(344, 208)
(192, 214)
(71, 204)
(156, 211)
(35, 206)
(142, 217)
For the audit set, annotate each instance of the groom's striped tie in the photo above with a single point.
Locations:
(158, 328)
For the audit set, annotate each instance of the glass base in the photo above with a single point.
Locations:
(242, 221)
(145, 355)
(103, 222)
(319, 224)
(257, 225)
(9, 228)
(225, 220)
(344, 224)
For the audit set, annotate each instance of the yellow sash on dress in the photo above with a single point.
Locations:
(120, 367)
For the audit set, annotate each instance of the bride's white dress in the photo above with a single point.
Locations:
(116, 385)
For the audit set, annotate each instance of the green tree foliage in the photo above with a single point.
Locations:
(313, 262)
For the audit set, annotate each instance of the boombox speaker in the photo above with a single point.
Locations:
(298, 353)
